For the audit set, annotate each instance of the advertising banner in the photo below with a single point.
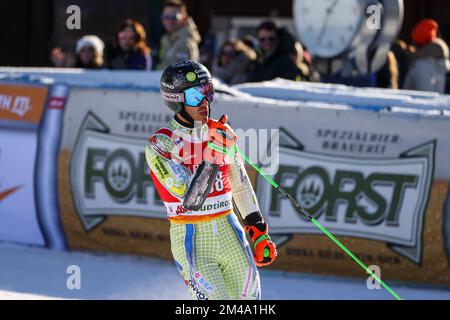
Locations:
(22, 103)
(21, 110)
(377, 181)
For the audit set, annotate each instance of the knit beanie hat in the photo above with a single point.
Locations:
(425, 32)
(91, 41)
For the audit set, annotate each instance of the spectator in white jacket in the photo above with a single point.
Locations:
(430, 62)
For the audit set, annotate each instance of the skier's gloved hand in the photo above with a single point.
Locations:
(265, 249)
(222, 137)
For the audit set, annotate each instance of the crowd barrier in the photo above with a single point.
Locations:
(73, 172)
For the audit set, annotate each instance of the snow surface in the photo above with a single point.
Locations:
(37, 273)
(276, 91)
(374, 99)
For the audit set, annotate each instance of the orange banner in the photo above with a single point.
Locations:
(22, 103)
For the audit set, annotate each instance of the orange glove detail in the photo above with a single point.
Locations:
(265, 249)
(222, 136)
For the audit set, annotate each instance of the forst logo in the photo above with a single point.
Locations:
(121, 175)
(378, 199)
(320, 193)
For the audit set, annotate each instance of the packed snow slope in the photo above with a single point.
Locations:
(36, 273)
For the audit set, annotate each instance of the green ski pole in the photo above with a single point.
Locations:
(305, 213)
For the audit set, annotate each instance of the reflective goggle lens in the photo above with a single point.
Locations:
(194, 96)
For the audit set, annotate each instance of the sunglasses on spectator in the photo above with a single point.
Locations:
(268, 39)
(173, 17)
(194, 96)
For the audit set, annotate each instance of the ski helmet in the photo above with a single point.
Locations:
(181, 76)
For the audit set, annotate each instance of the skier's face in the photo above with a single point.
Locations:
(200, 113)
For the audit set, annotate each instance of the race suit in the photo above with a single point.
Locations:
(208, 245)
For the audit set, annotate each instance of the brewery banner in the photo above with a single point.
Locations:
(377, 178)
(379, 181)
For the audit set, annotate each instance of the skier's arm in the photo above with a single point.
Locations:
(243, 195)
(247, 204)
(160, 154)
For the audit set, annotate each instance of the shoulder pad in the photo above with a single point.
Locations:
(165, 143)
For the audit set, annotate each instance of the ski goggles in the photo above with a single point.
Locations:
(194, 96)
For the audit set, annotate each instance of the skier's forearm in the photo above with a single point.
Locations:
(243, 195)
(247, 204)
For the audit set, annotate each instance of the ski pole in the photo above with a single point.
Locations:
(305, 213)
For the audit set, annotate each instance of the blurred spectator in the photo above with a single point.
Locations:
(182, 37)
(427, 71)
(250, 41)
(89, 54)
(207, 50)
(301, 58)
(277, 54)
(402, 53)
(61, 58)
(312, 74)
(388, 75)
(129, 50)
(233, 62)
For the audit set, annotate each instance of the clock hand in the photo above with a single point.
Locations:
(328, 11)
(322, 31)
(331, 7)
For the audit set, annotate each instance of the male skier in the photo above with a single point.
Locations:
(197, 184)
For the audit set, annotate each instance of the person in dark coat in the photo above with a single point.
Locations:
(430, 61)
(276, 59)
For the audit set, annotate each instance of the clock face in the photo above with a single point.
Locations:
(328, 27)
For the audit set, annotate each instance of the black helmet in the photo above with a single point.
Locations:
(181, 76)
